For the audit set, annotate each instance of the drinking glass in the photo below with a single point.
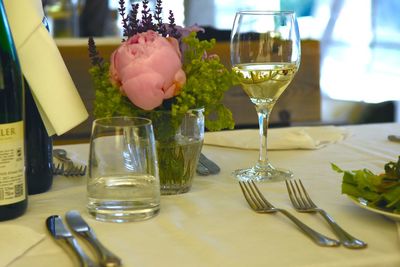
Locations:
(123, 183)
(265, 55)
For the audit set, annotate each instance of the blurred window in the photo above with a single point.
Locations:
(360, 39)
(361, 51)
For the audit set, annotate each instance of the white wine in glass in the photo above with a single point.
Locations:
(265, 55)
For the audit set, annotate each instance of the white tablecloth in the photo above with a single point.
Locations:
(212, 225)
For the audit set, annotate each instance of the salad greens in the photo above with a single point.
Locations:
(380, 190)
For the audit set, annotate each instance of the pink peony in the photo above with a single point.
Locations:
(147, 67)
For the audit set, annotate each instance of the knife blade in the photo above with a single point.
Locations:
(61, 234)
(394, 138)
(201, 169)
(78, 224)
(212, 167)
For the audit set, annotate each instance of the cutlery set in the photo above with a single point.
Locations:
(63, 236)
(66, 166)
(298, 195)
(301, 202)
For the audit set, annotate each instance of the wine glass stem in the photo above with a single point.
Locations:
(263, 122)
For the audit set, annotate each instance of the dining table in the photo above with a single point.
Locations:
(213, 225)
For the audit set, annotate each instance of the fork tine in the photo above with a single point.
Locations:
(69, 171)
(296, 196)
(75, 171)
(58, 169)
(306, 194)
(299, 195)
(292, 197)
(78, 170)
(247, 195)
(83, 172)
(255, 194)
(260, 196)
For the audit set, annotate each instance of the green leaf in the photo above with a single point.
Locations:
(336, 168)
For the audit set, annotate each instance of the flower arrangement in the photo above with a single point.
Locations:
(160, 67)
(162, 71)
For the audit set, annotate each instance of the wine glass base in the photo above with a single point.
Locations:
(267, 174)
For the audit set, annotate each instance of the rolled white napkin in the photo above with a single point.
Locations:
(278, 138)
(16, 240)
(55, 94)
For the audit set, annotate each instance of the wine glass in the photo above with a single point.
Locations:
(265, 55)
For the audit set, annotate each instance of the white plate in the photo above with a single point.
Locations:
(363, 204)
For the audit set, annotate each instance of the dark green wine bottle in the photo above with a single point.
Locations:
(38, 147)
(13, 189)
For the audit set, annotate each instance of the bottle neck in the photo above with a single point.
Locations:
(11, 83)
(6, 39)
(5, 32)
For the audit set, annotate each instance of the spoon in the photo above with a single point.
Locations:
(61, 154)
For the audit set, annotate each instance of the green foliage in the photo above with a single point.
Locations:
(207, 81)
(382, 191)
(108, 99)
(177, 162)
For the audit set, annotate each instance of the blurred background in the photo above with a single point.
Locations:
(350, 71)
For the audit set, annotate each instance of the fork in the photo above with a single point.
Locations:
(259, 204)
(74, 170)
(302, 202)
(58, 169)
(71, 169)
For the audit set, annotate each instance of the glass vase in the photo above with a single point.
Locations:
(178, 143)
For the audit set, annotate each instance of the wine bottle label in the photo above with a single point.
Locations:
(12, 164)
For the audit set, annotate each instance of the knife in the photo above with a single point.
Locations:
(61, 234)
(207, 166)
(394, 138)
(202, 170)
(106, 257)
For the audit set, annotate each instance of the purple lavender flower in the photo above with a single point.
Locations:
(185, 31)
